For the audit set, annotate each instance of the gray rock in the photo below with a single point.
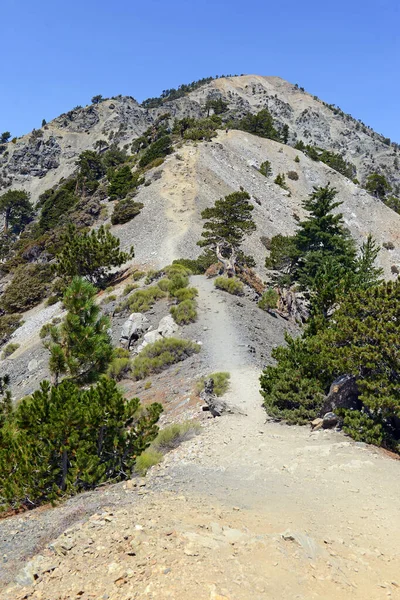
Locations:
(167, 327)
(343, 393)
(330, 420)
(133, 328)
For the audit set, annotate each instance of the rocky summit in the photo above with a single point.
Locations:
(175, 251)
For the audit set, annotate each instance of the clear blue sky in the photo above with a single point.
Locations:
(57, 54)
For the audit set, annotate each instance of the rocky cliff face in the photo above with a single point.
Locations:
(38, 160)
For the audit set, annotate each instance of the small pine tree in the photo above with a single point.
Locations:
(227, 223)
(90, 255)
(265, 168)
(377, 185)
(81, 346)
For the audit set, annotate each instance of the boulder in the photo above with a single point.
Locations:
(167, 326)
(343, 393)
(150, 337)
(133, 328)
(330, 420)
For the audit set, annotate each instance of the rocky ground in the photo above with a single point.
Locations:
(248, 509)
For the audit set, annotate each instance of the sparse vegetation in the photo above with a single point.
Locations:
(125, 210)
(266, 169)
(167, 439)
(185, 312)
(221, 382)
(8, 350)
(160, 355)
(269, 300)
(232, 285)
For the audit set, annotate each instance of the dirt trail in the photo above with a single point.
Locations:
(248, 510)
(179, 189)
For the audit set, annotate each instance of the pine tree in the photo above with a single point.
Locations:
(377, 185)
(363, 340)
(321, 235)
(228, 221)
(261, 124)
(63, 440)
(121, 182)
(90, 255)
(16, 209)
(81, 346)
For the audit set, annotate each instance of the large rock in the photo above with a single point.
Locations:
(343, 393)
(133, 328)
(167, 327)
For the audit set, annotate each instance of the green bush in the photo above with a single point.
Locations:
(269, 300)
(125, 210)
(173, 435)
(29, 286)
(129, 288)
(158, 149)
(199, 265)
(158, 356)
(221, 382)
(232, 285)
(185, 294)
(185, 312)
(167, 439)
(281, 181)
(9, 349)
(146, 460)
(141, 300)
(119, 368)
(8, 324)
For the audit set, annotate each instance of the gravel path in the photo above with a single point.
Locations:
(302, 515)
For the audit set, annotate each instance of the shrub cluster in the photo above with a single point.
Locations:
(28, 287)
(232, 285)
(167, 439)
(160, 355)
(125, 210)
(221, 382)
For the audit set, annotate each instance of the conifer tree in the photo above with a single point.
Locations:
(90, 255)
(63, 440)
(81, 346)
(16, 209)
(227, 223)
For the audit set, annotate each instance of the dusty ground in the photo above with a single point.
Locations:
(250, 509)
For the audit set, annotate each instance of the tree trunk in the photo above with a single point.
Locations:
(229, 263)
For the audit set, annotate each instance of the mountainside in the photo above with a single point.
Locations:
(247, 508)
(36, 161)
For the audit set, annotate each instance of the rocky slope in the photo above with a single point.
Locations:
(38, 160)
(250, 509)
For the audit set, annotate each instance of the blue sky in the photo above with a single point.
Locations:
(57, 54)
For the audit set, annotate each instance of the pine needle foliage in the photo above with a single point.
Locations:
(63, 440)
(90, 254)
(81, 346)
